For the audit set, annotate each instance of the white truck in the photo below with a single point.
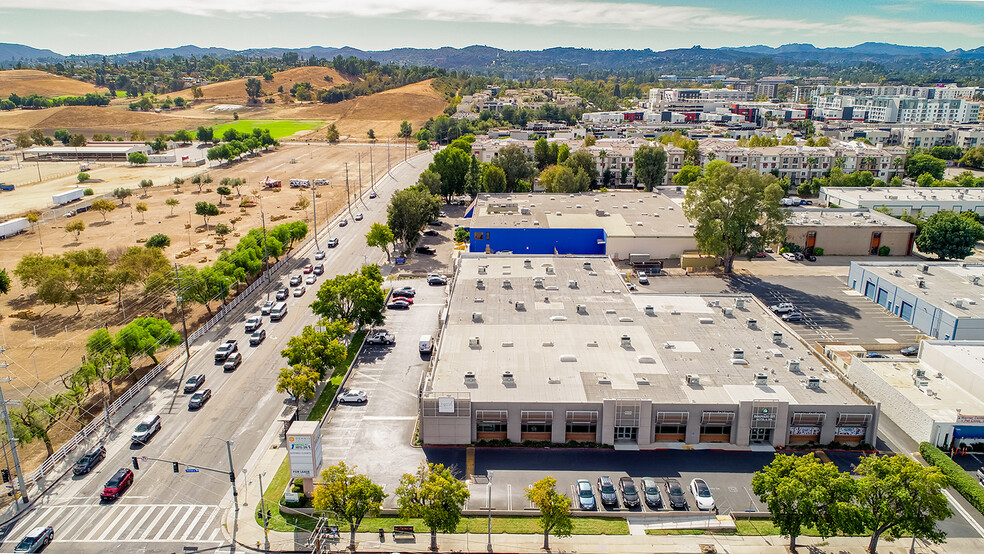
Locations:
(66, 197)
(13, 227)
(300, 183)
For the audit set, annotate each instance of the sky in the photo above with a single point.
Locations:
(115, 26)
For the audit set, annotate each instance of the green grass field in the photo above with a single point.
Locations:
(278, 127)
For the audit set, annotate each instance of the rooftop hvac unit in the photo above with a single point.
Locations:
(777, 337)
(538, 282)
(582, 309)
(474, 342)
(536, 222)
(897, 273)
(739, 303)
(572, 283)
(713, 304)
(587, 265)
(705, 320)
(918, 372)
(476, 316)
(957, 302)
(920, 383)
(506, 284)
(568, 358)
(793, 365)
(550, 270)
(761, 379)
(469, 377)
(528, 264)
(480, 284)
(975, 280)
(604, 380)
(752, 323)
(482, 269)
(520, 306)
(693, 379)
(738, 354)
(924, 268)
(650, 310)
(921, 282)
(813, 383)
(507, 378)
(626, 341)
(728, 312)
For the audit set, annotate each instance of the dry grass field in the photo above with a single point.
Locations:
(24, 82)
(235, 91)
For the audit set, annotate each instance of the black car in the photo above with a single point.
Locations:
(193, 382)
(436, 281)
(430, 233)
(372, 195)
(909, 351)
(257, 337)
(283, 293)
(425, 250)
(404, 293)
(650, 491)
(90, 460)
(398, 305)
(630, 496)
(675, 493)
(199, 399)
(606, 489)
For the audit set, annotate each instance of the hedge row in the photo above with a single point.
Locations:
(962, 481)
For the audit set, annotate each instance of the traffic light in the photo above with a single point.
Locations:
(5, 473)
(136, 465)
(175, 464)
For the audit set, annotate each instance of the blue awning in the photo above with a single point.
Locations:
(968, 432)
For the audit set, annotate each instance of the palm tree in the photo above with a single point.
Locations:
(896, 164)
(839, 162)
(811, 162)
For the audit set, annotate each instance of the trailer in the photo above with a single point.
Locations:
(66, 197)
(269, 183)
(300, 183)
(13, 227)
(5, 186)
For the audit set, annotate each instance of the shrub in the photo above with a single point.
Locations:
(160, 240)
(962, 481)
(461, 234)
(270, 100)
(88, 192)
(791, 247)
(884, 251)
(818, 251)
(423, 145)
(83, 177)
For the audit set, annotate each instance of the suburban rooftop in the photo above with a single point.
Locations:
(944, 283)
(878, 194)
(842, 217)
(545, 328)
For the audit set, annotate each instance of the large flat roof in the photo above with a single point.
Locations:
(945, 281)
(842, 217)
(558, 353)
(116, 149)
(904, 194)
(627, 214)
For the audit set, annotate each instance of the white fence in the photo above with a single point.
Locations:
(118, 404)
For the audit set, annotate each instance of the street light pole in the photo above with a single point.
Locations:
(13, 448)
(263, 507)
(184, 325)
(314, 206)
(489, 489)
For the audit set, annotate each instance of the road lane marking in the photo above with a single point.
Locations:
(206, 525)
(973, 523)
(115, 530)
(140, 524)
(191, 526)
(179, 524)
(97, 528)
(163, 528)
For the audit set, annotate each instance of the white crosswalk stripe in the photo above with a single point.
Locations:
(125, 523)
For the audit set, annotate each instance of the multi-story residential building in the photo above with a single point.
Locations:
(896, 109)
(663, 96)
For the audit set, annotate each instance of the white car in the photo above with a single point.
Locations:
(267, 306)
(353, 395)
(782, 308)
(311, 279)
(299, 291)
(254, 323)
(319, 255)
(702, 494)
(643, 278)
(789, 256)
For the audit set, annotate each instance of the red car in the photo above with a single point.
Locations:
(308, 268)
(119, 482)
(407, 299)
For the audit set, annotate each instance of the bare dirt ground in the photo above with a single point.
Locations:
(25, 82)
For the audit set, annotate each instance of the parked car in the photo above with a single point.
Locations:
(199, 399)
(406, 292)
(332, 242)
(319, 269)
(789, 256)
(90, 460)
(319, 255)
(585, 495)
(227, 347)
(354, 396)
(299, 291)
(254, 323)
(147, 428)
(702, 494)
(296, 280)
(425, 250)
(233, 361)
(782, 308)
(606, 490)
(372, 194)
(643, 278)
(194, 382)
(283, 293)
(407, 299)
(650, 491)
(431, 233)
(36, 540)
(798, 256)
(343, 223)
(265, 310)
(630, 496)
(436, 223)
(308, 268)
(675, 493)
(117, 484)
(442, 214)
(358, 217)
(398, 305)
(311, 279)
(257, 337)
(380, 338)
(874, 355)
(437, 281)
(793, 317)
(811, 258)
(909, 351)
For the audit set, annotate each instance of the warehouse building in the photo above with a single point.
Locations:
(943, 300)
(841, 232)
(556, 349)
(935, 398)
(902, 201)
(95, 153)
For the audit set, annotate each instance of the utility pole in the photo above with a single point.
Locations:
(266, 255)
(348, 197)
(314, 206)
(360, 173)
(184, 325)
(372, 178)
(387, 156)
(13, 445)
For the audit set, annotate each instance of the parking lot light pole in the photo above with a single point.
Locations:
(489, 490)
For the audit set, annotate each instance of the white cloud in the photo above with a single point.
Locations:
(895, 26)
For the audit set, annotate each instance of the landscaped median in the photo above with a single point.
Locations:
(963, 482)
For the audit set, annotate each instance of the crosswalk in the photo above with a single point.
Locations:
(126, 523)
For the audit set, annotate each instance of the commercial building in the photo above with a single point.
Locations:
(97, 153)
(844, 232)
(935, 398)
(556, 349)
(903, 200)
(943, 300)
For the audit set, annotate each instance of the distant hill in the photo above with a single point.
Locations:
(19, 52)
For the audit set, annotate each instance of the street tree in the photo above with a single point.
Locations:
(555, 509)
(200, 287)
(430, 179)
(382, 236)
(75, 227)
(802, 492)
(356, 298)
(948, 236)
(206, 210)
(434, 495)
(171, 203)
(141, 209)
(348, 496)
(35, 419)
(103, 362)
(451, 165)
(409, 211)
(103, 206)
(298, 381)
(517, 166)
(735, 211)
(897, 496)
(318, 350)
(137, 158)
(144, 336)
(650, 165)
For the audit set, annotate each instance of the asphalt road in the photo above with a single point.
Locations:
(168, 512)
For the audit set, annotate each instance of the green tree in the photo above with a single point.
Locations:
(372, 135)
(897, 496)
(206, 210)
(183, 136)
(788, 140)
(253, 89)
(223, 192)
(37, 137)
(4, 282)
(141, 209)
(204, 134)
(688, 174)
(317, 350)
(332, 135)
(298, 381)
(137, 158)
(145, 185)
(590, 140)
(515, 164)
(221, 230)
(493, 178)
(948, 236)
(382, 236)
(735, 211)
(77, 140)
(35, 419)
(103, 206)
(543, 154)
(83, 177)
(348, 496)
(160, 240)
(171, 203)
(650, 166)
(435, 495)
(555, 509)
(802, 491)
(919, 164)
(356, 298)
(430, 179)
(122, 193)
(583, 161)
(461, 235)
(22, 140)
(409, 211)
(75, 227)
(406, 130)
(452, 165)
(200, 287)
(145, 336)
